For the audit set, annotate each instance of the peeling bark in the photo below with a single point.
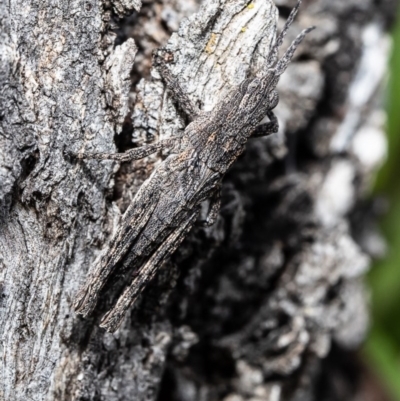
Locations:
(256, 307)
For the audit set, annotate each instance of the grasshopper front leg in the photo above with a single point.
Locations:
(266, 129)
(215, 206)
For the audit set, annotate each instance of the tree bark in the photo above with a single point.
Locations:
(269, 302)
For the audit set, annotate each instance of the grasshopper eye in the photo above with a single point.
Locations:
(253, 85)
(273, 99)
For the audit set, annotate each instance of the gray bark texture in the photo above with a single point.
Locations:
(267, 304)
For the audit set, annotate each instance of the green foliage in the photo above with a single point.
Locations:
(383, 346)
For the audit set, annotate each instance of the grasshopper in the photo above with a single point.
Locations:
(167, 204)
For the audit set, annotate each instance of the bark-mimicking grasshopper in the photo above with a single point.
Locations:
(168, 203)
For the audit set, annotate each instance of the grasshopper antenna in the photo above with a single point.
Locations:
(273, 55)
(287, 57)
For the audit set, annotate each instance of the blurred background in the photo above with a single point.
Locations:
(382, 349)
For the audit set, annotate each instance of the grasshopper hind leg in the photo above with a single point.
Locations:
(133, 221)
(113, 319)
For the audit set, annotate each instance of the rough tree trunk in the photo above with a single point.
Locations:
(264, 305)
